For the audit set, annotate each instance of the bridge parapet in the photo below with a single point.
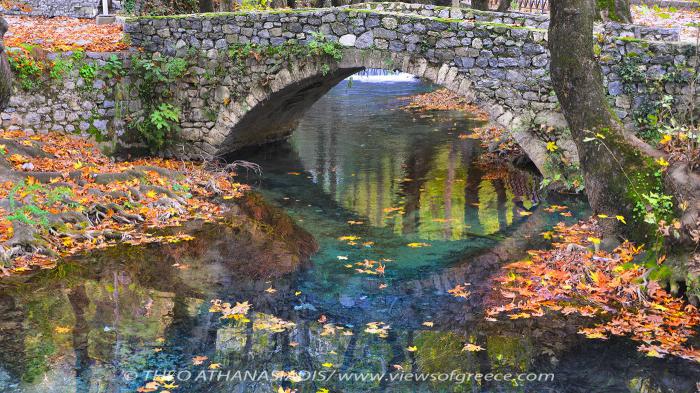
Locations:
(535, 20)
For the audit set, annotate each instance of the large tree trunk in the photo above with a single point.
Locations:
(614, 10)
(503, 5)
(5, 72)
(480, 5)
(618, 168)
(206, 6)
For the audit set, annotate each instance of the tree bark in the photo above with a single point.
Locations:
(578, 82)
(503, 6)
(5, 71)
(617, 167)
(614, 10)
(482, 5)
(206, 6)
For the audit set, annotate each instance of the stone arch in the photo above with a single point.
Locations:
(273, 107)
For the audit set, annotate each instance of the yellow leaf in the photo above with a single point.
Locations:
(151, 194)
(594, 240)
(78, 165)
(297, 293)
(215, 366)
(322, 390)
(621, 219)
(418, 245)
(271, 290)
(667, 138)
(525, 213)
(603, 215)
(62, 329)
(327, 365)
(472, 347)
(428, 323)
(662, 162)
(412, 349)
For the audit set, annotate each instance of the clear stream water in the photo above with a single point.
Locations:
(356, 166)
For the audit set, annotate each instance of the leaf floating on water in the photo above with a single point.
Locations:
(342, 258)
(418, 245)
(198, 360)
(379, 328)
(460, 291)
(428, 323)
(412, 348)
(270, 290)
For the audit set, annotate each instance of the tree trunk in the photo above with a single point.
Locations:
(614, 10)
(206, 6)
(482, 5)
(617, 167)
(608, 161)
(503, 6)
(5, 72)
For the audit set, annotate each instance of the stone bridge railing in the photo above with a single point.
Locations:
(503, 67)
(525, 19)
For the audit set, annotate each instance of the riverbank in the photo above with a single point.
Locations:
(61, 196)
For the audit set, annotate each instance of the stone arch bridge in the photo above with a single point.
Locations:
(497, 60)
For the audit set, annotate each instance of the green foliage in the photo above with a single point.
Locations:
(113, 67)
(158, 124)
(161, 7)
(320, 46)
(27, 69)
(88, 72)
(654, 207)
(656, 109)
(60, 67)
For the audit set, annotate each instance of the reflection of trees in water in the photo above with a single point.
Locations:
(79, 301)
(12, 336)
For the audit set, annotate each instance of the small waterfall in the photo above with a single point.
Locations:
(378, 75)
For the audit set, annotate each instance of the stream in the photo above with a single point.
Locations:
(378, 187)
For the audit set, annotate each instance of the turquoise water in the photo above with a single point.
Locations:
(377, 187)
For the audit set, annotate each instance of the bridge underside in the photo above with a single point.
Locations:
(276, 117)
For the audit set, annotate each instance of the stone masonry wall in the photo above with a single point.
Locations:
(50, 8)
(67, 104)
(540, 21)
(503, 68)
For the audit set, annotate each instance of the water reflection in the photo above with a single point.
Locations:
(100, 323)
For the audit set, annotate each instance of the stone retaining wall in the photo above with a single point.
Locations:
(521, 19)
(51, 8)
(67, 104)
